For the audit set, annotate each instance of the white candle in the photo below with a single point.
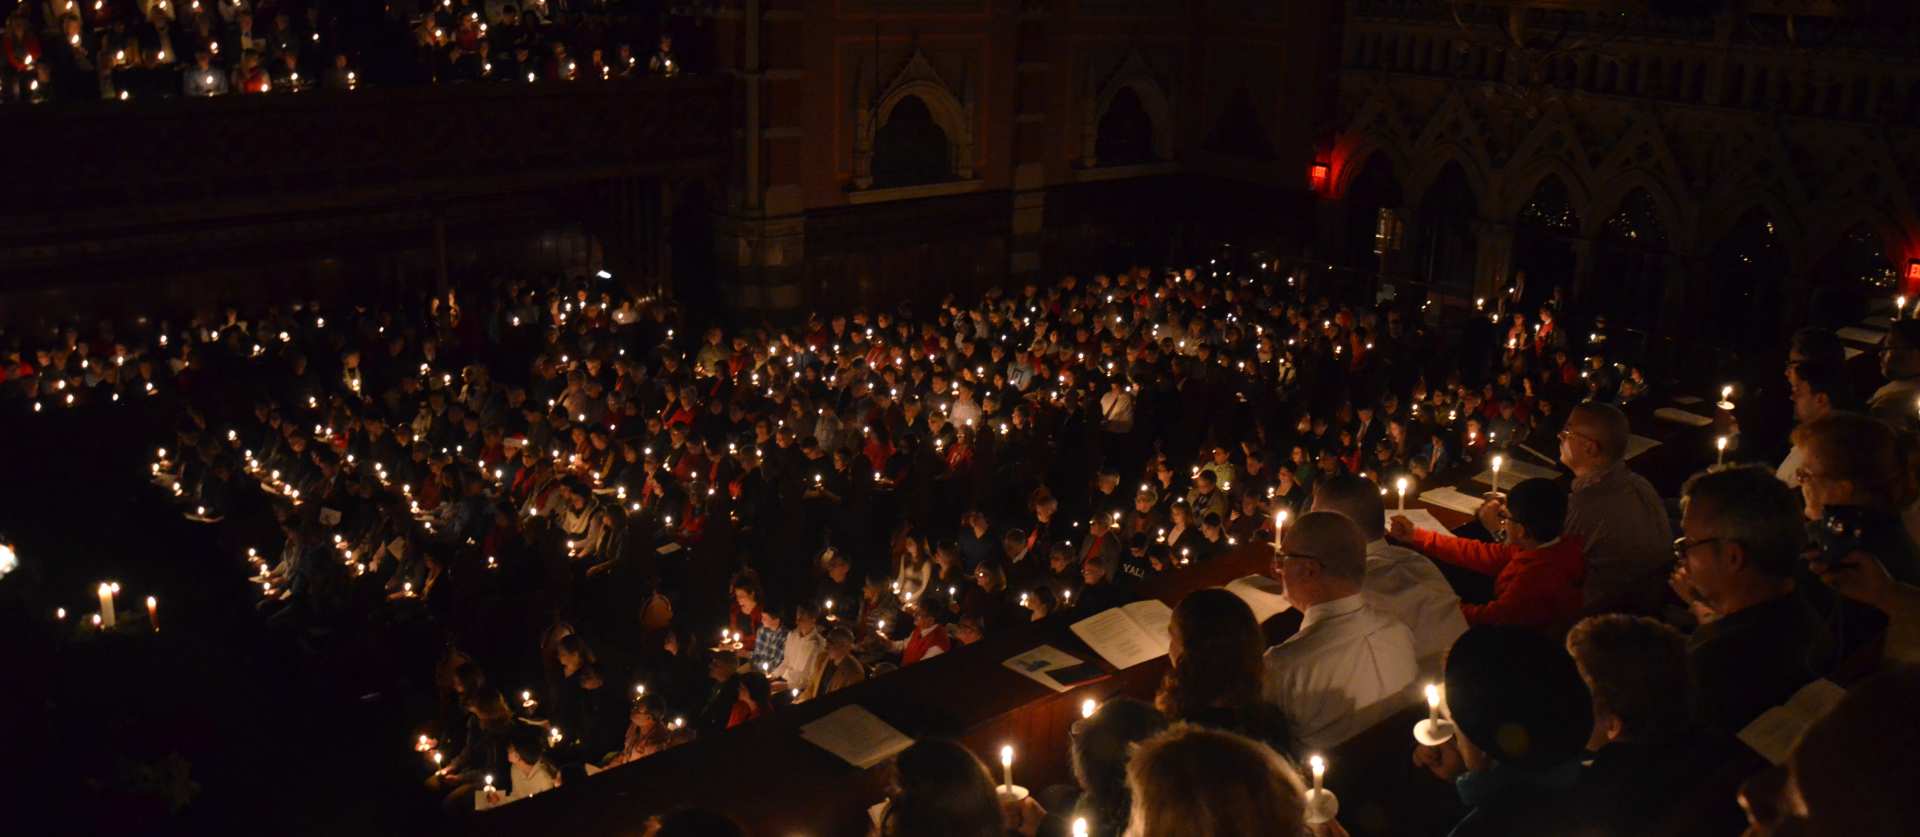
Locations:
(1319, 767)
(153, 613)
(1497, 462)
(1087, 708)
(106, 605)
(1400, 485)
(1006, 765)
(1720, 451)
(1080, 827)
(1433, 704)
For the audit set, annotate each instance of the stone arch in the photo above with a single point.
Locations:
(1836, 220)
(916, 79)
(1135, 75)
(1716, 223)
(1352, 157)
(1673, 215)
(1473, 165)
(1519, 186)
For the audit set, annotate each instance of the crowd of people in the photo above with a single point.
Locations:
(598, 531)
(88, 50)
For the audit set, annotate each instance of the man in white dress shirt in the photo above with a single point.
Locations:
(1398, 580)
(1351, 664)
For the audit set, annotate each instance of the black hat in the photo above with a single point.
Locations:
(1517, 695)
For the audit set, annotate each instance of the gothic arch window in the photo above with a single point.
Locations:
(1551, 208)
(1860, 262)
(1630, 281)
(911, 148)
(1125, 136)
(1637, 223)
(1238, 132)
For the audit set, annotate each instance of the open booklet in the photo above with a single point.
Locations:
(1777, 730)
(1422, 519)
(1054, 668)
(1129, 635)
(857, 736)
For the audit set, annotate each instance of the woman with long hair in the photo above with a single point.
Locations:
(942, 790)
(1196, 782)
(1215, 668)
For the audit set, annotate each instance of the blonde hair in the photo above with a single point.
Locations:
(1194, 781)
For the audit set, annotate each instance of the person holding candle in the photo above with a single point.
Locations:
(647, 732)
(836, 668)
(1521, 718)
(942, 789)
(769, 642)
(1100, 748)
(1398, 580)
(1350, 664)
(929, 638)
(802, 647)
(528, 770)
(1894, 402)
(1537, 569)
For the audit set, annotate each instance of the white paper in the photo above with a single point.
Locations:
(1037, 663)
(1860, 335)
(1688, 400)
(1119, 638)
(1852, 352)
(1513, 470)
(1777, 730)
(1678, 416)
(1637, 445)
(857, 736)
(668, 548)
(1422, 519)
(1265, 596)
(1448, 497)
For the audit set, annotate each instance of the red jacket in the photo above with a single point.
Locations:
(1537, 588)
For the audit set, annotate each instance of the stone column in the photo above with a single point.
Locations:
(1582, 267)
(1493, 260)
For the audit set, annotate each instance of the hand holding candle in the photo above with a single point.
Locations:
(1434, 731)
(1400, 485)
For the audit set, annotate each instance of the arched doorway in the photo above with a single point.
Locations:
(1372, 192)
(911, 149)
(1543, 242)
(1445, 251)
(1631, 258)
(1747, 271)
(1125, 135)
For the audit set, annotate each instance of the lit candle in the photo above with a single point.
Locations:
(1720, 450)
(1899, 306)
(1006, 765)
(1400, 485)
(1080, 827)
(1726, 397)
(1498, 461)
(1319, 767)
(1087, 708)
(153, 613)
(106, 605)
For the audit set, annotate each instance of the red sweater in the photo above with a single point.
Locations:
(1538, 588)
(922, 642)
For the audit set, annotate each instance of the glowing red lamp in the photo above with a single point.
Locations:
(1321, 170)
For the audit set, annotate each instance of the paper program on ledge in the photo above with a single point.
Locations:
(857, 736)
(1039, 664)
(1448, 497)
(1422, 519)
(1127, 636)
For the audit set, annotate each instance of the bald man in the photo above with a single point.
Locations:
(1350, 665)
(1615, 512)
(1398, 580)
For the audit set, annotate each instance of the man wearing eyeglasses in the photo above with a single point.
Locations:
(1350, 664)
(1615, 512)
(1759, 640)
(1898, 400)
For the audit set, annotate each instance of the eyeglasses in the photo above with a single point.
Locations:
(1802, 476)
(1682, 546)
(1568, 431)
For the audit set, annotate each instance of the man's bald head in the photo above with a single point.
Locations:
(1332, 539)
(1356, 497)
(1605, 425)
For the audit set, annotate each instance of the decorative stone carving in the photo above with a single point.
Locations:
(917, 77)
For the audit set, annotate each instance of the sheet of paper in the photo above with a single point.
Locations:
(857, 736)
(1857, 334)
(1118, 639)
(1513, 470)
(1422, 519)
(1852, 352)
(1688, 400)
(1877, 321)
(1679, 416)
(1448, 497)
(1266, 596)
(1777, 730)
(1637, 445)
(1036, 664)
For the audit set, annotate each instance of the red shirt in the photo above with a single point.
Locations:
(1536, 588)
(923, 642)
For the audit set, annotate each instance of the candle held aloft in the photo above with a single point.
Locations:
(105, 593)
(1720, 450)
(1400, 485)
(1006, 766)
(153, 613)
